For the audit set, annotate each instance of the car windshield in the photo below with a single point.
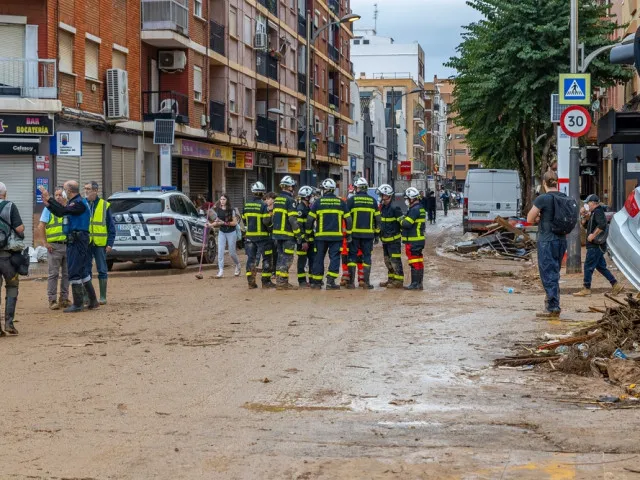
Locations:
(136, 205)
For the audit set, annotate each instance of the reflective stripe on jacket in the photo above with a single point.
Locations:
(390, 217)
(284, 210)
(54, 231)
(365, 214)
(327, 213)
(253, 215)
(413, 225)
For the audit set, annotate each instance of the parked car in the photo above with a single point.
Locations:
(489, 193)
(624, 238)
(158, 224)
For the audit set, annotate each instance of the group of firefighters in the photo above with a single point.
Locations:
(321, 223)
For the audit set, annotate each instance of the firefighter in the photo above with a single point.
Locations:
(306, 248)
(390, 217)
(413, 237)
(286, 231)
(327, 213)
(258, 243)
(365, 232)
(344, 255)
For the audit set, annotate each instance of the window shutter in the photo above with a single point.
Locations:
(65, 40)
(12, 41)
(91, 53)
(197, 82)
(119, 60)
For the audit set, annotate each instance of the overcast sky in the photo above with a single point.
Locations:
(435, 24)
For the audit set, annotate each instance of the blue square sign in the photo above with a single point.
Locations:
(575, 89)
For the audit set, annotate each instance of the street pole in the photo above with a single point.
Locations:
(394, 149)
(307, 180)
(574, 259)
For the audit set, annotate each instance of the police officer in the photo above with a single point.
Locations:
(76, 222)
(305, 248)
(286, 231)
(390, 217)
(366, 229)
(413, 237)
(50, 228)
(102, 234)
(327, 213)
(258, 242)
(10, 215)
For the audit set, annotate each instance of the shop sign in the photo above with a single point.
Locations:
(41, 182)
(265, 160)
(589, 171)
(69, 144)
(334, 170)
(282, 165)
(26, 125)
(295, 165)
(353, 163)
(405, 167)
(18, 148)
(199, 150)
(242, 160)
(42, 163)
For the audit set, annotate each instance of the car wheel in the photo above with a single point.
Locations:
(181, 255)
(210, 250)
(110, 265)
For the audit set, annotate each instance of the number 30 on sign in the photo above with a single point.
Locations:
(575, 121)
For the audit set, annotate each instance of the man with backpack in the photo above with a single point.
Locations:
(11, 228)
(444, 196)
(594, 220)
(556, 216)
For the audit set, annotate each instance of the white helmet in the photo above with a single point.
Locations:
(361, 184)
(287, 181)
(258, 187)
(329, 185)
(305, 192)
(385, 189)
(412, 193)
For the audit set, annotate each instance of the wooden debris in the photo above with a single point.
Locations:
(568, 341)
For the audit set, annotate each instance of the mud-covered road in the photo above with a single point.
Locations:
(179, 378)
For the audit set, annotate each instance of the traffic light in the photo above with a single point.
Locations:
(627, 52)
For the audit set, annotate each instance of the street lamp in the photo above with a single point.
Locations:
(306, 176)
(394, 146)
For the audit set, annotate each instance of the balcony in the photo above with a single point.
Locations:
(25, 78)
(334, 148)
(334, 100)
(216, 37)
(216, 111)
(165, 104)
(302, 83)
(334, 6)
(172, 15)
(271, 5)
(267, 130)
(267, 66)
(334, 53)
(302, 26)
(418, 113)
(418, 143)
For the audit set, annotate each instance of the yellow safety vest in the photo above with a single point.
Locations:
(54, 231)
(98, 227)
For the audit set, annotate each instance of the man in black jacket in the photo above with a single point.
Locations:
(594, 220)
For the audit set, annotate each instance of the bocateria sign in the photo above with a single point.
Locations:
(26, 125)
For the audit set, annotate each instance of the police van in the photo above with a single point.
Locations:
(158, 224)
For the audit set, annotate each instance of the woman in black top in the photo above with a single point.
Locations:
(225, 220)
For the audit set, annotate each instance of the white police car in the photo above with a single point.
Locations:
(158, 223)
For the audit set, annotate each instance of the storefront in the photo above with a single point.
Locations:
(240, 175)
(264, 169)
(288, 166)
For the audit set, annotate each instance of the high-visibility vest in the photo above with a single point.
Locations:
(54, 231)
(98, 232)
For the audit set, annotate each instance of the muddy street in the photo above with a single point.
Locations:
(184, 378)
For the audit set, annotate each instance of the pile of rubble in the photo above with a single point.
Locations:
(501, 239)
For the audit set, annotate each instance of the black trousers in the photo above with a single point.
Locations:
(322, 247)
(256, 250)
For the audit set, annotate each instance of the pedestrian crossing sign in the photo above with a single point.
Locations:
(575, 89)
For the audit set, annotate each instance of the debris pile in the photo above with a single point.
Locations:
(501, 239)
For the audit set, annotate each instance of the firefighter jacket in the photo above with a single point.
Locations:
(253, 216)
(365, 215)
(390, 217)
(327, 213)
(413, 225)
(285, 218)
(303, 215)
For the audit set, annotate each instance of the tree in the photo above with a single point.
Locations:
(508, 65)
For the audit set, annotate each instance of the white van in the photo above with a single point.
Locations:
(489, 193)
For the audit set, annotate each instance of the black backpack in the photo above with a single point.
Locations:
(565, 214)
(5, 226)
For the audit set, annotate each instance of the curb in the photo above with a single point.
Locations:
(138, 273)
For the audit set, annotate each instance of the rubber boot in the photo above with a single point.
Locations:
(366, 284)
(351, 281)
(421, 278)
(332, 285)
(415, 281)
(387, 284)
(85, 298)
(93, 299)
(267, 283)
(251, 280)
(346, 276)
(9, 315)
(103, 290)
(77, 292)
(283, 284)
(399, 284)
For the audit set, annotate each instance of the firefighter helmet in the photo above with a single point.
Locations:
(305, 192)
(412, 193)
(361, 184)
(329, 185)
(287, 181)
(258, 187)
(385, 189)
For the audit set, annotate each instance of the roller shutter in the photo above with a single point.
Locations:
(122, 169)
(199, 178)
(67, 168)
(17, 175)
(12, 41)
(252, 177)
(176, 165)
(235, 186)
(91, 167)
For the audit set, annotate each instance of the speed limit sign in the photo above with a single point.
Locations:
(575, 121)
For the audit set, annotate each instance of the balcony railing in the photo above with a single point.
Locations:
(21, 77)
(334, 6)
(417, 141)
(418, 113)
(334, 53)
(267, 130)
(334, 148)
(216, 37)
(302, 83)
(216, 111)
(165, 104)
(271, 5)
(302, 26)
(266, 65)
(165, 15)
(334, 100)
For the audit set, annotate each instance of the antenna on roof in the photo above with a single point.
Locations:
(375, 18)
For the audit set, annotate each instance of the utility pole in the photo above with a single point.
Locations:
(308, 113)
(394, 149)
(574, 258)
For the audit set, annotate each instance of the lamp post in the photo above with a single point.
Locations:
(306, 175)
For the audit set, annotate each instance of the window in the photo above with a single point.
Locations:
(460, 168)
(459, 136)
(197, 83)
(282, 117)
(232, 97)
(246, 30)
(91, 58)
(197, 8)
(248, 102)
(352, 110)
(65, 43)
(292, 123)
(302, 61)
(356, 42)
(233, 22)
(473, 166)
(315, 75)
(449, 152)
(324, 74)
(460, 151)
(118, 60)
(365, 42)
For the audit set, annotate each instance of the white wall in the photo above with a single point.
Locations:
(356, 131)
(376, 108)
(381, 56)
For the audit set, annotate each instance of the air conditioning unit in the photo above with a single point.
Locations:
(343, 139)
(171, 60)
(331, 131)
(117, 94)
(319, 127)
(260, 41)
